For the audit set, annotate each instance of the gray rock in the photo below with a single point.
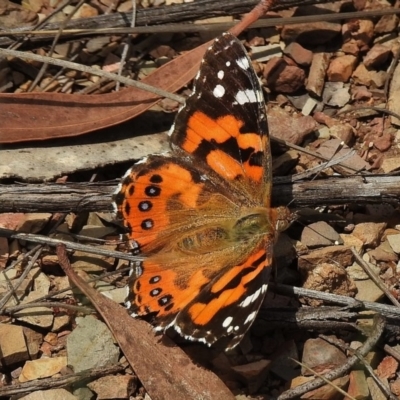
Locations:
(91, 345)
(320, 234)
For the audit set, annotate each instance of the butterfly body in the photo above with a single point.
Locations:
(201, 214)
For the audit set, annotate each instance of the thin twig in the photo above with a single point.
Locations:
(362, 359)
(192, 28)
(377, 109)
(53, 45)
(391, 351)
(328, 382)
(97, 278)
(390, 73)
(70, 245)
(101, 73)
(41, 23)
(378, 282)
(18, 283)
(127, 44)
(311, 153)
(327, 164)
(379, 326)
(61, 71)
(51, 383)
(384, 309)
(380, 384)
(50, 304)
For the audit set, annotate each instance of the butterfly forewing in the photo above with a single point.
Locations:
(229, 132)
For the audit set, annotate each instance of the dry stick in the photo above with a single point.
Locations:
(127, 44)
(390, 72)
(53, 45)
(391, 351)
(319, 168)
(380, 384)
(60, 72)
(313, 154)
(378, 282)
(51, 383)
(102, 85)
(36, 255)
(83, 68)
(8, 295)
(49, 304)
(6, 86)
(384, 309)
(29, 237)
(368, 367)
(10, 310)
(377, 109)
(21, 41)
(379, 326)
(192, 28)
(328, 382)
(78, 197)
(19, 261)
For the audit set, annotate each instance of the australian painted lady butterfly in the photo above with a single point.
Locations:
(201, 214)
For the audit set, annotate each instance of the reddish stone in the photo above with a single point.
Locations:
(376, 56)
(341, 68)
(282, 77)
(299, 54)
(384, 142)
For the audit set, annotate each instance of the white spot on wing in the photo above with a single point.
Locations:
(220, 74)
(243, 63)
(256, 294)
(246, 302)
(219, 91)
(228, 63)
(264, 288)
(171, 130)
(246, 96)
(227, 322)
(250, 317)
(253, 297)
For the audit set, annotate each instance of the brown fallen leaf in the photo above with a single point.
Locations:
(165, 371)
(43, 116)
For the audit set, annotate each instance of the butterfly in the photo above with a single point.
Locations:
(200, 215)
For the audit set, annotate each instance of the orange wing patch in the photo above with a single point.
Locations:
(230, 152)
(159, 290)
(148, 194)
(203, 313)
